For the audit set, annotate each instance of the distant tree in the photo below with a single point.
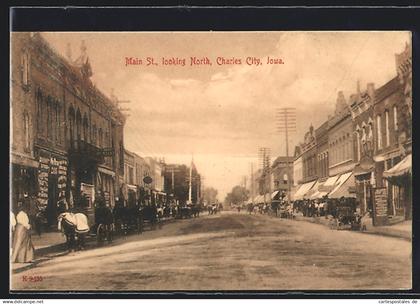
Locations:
(210, 195)
(238, 195)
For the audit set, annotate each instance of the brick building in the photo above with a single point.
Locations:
(393, 142)
(71, 139)
(297, 166)
(309, 156)
(282, 175)
(361, 107)
(321, 137)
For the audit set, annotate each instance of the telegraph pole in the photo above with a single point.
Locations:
(173, 180)
(264, 156)
(286, 122)
(190, 184)
(252, 183)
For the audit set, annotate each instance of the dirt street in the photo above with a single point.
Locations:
(231, 251)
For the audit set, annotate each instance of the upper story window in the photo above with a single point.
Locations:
(395, 118)
(26, 130)
(378, 132)
(85, 129)
(100, 139)
(387, 128)
(25, 69)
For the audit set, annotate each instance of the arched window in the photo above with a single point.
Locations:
(26, 130)
(395, 118)
(94, 136)
(121, 156)
(78, 125)
(39, 120)
(85, 129)
(100, 139)
(71, 126)
(387, 128)
(378, 132)
(106, 139)
(58, 126)
(25, 69)
(49, 118)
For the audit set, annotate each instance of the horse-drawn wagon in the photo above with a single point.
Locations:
(347, 219)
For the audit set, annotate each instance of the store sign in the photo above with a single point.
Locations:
(380, 206)
(147, 180)
(106, 152)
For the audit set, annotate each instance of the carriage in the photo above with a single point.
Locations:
(347, 219)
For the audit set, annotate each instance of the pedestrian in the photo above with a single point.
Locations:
(12, 229)
(23, 249)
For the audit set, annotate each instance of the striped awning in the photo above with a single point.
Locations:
(303, 190)
(403, 167)
(341, 189)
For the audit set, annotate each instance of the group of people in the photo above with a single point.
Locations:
(324, 206)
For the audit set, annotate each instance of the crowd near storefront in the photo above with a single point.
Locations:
(368, 153)
(67, 140)
(356, 163)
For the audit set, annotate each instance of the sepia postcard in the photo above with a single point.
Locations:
(211, 161)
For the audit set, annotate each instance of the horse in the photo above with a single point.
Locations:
(185, 212)
(75, 227)
(250, 208)
(195, 210)
(215, 209)
(150, 214)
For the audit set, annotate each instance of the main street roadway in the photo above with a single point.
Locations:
(231, 251)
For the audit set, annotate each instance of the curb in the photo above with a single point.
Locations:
(401, 235)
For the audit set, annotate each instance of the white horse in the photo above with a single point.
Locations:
(75, 226)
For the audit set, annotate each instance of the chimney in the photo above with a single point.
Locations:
(371, 89)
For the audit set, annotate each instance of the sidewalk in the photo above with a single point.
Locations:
(48, 242)
(53, 243)
(401, 230)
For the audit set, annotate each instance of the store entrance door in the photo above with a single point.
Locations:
(52, 199)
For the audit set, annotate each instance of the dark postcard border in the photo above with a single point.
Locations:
(187, 18)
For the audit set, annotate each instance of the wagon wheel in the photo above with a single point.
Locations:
(111, 233)
(100, 234)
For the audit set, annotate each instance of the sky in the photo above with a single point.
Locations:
(222, 114)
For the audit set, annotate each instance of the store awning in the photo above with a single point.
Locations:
(132, 187)
(341, 189)
(403, 167)
(273, 195)
(331, 181)
(319, 194)
(311, 191)
(316, 192)
(23, 160)
(106, 171)
(302, 190)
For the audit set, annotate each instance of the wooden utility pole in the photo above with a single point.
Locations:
(264, 156)
(252, 182)
(286, 123)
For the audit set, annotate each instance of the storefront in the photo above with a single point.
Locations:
(105, 183)
(24, 179)
(52, 180)
(399, 179)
